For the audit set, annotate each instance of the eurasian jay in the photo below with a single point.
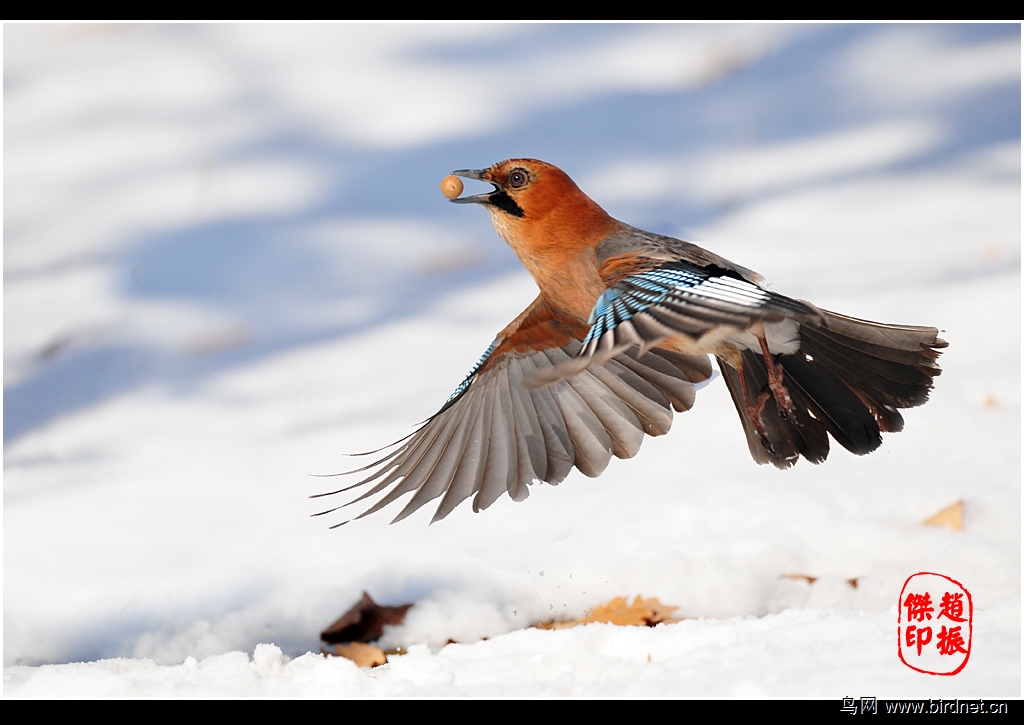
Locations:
(619, 336)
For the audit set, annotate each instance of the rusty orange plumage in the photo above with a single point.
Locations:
(618, 337)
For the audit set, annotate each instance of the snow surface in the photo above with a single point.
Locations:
(227, 264)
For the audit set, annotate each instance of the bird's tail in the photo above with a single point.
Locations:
(848, 380)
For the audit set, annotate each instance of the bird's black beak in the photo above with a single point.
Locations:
(476, 175)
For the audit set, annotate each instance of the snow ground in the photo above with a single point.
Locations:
(227, 263)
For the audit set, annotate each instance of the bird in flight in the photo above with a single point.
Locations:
(618, 337)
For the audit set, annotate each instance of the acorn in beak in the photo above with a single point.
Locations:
(476, 175)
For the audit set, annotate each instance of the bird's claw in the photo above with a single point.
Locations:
(783, 400)
(754, 414)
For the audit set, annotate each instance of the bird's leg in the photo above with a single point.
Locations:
(753, 409)
(782, 398)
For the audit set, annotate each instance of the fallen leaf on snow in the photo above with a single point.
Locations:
(641, 613)
(806, 577)
(811, 579)
(364, 622)
(951, 516)
(364, 655)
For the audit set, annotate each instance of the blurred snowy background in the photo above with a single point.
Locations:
(227, 263)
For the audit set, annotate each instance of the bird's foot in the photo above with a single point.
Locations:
(754, 415)
(782, 397)
(754, 410)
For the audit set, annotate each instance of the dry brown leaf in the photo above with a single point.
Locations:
(660, 612)
(364, 655)
(558, 624)
(619, 611)
(811, 579)
(641, 613)
(364, 622)
(806, 577)
(951, 516)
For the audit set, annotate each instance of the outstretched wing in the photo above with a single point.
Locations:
(496, 435)
(648, 301)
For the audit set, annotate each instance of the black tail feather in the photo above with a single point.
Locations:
(848, 379)
(785, 439)
(839, 409)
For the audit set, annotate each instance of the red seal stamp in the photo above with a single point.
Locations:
(935, 624)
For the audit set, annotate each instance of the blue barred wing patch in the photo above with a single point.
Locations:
(468, 380)
(622, 302)
(679, 298)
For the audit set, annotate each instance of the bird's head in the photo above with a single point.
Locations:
(531, 197)
(522, 187)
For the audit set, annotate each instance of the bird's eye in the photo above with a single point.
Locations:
(518, 178)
